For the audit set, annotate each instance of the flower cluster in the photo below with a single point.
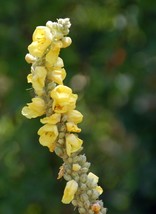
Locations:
(56, 103)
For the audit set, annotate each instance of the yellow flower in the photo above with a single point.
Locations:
(53, 119)
(34, 109)
(42, 38)
(69, 191)
(74, 116)
(73, 143)
(71, 127)
(95, 180)
(64, 99)
(99, 189)
(48, 135)
(93, 177)
(51, 57)
(38, 79)
(57, 75)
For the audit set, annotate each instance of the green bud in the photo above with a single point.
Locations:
(67, 177)
(82, 210)
(84, 197)
(83, 178)
(87, 204)
(68, 171)
(61, 141)
(83, 158)
(76, 178)
(95, 194)
(58, 151)
(87, 165)
(90, 212)
(70, 160)
(75, 159)
(80, 204)
(84, 170)
(83, 186)
(61, 135)
(104, 210)
(89, 192)
(74, 202)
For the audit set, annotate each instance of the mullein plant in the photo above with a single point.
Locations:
(56, 103)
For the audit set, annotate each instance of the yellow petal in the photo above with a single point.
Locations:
(73, 143)
(64, 99)
(52, 57)
(29, 78)
(71, 127)
(93, 177)
(38, 79)
(99, 189)
(74, 116)
(69, 191)
(42, 38)
(76, 167)
(57, 76)
(53, 119)
(61, 93)
(34, 109)
(48, 135)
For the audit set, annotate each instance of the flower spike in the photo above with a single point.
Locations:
(56, 103)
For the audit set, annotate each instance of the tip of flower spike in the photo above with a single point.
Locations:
(61, 26)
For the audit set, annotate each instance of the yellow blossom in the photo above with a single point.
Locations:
(48, 134)
(73, 143)
(38, 79)
(74, 116)
(99, 189)
(93, 177)
(57, 75)
(53, 119)
(69, 191)
(42, 38)
(71, 127)
(34, 109)
(51, 57)
(64, 99)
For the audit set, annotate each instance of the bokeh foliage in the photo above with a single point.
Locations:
(111, 65)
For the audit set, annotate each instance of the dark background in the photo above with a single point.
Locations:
(111, 64)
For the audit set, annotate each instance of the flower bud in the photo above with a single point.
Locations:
(29, 58)
(82, 210)
(76, 167)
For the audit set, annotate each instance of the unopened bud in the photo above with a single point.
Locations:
(82, 210)
(76, 167)
(29, 58)
(66, 41)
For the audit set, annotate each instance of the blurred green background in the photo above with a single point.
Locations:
(111, 64)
